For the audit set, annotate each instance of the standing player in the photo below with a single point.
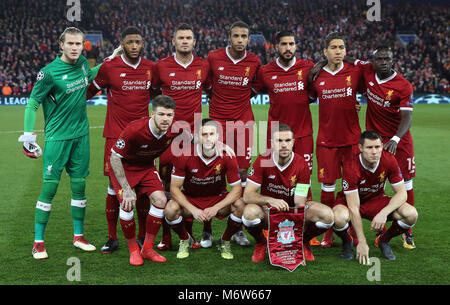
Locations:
(339, 130)
(363, 193)
(61, 89)
(181, 76)
(389, 112)
(285, 80)
(199, 190)
(233, 70)
(132, 161)
(127, 79)
(284, 180)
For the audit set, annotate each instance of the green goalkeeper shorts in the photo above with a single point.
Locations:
(73, 155)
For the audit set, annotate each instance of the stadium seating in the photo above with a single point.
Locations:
(30, 31)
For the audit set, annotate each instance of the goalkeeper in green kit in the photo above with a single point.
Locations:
(61, 89)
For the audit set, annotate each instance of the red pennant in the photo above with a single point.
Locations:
(285, 239)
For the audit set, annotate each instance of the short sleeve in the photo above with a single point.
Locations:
(43, 86)
(406, 98)
(255, 175)
(101, 81)
(233, 176)
(179, 168)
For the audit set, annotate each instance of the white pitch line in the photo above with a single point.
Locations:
(40, 130)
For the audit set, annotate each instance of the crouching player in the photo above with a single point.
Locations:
(277, 175)
(363, 194)
(199, 190)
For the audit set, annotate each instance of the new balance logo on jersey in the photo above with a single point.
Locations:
(194, 170)
(321, 83)
(220, 69)
(64, 77)
(144, 146)
(171, 74)
(123, 74)
(371, 83)
(271, 177)
(274, 77)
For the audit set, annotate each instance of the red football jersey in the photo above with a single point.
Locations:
(139, 146)
(385, 99)
(338, 118)
(370, 183)
(287, 89)
(276, 181)
(231, 85)
(183, 83)
(205, 177)
(128, 92)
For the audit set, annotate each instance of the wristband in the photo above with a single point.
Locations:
(395, 139)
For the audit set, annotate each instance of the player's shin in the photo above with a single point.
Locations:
(78, 204)
(129, 229)
(178, 226)
(398, 227)
(254, 227)
(43, 207)
(142, 208)
(315, 229)
(234, 224)
(154, 221)
(112, 212)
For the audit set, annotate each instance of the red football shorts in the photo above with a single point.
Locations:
(368, 209)
(332, 160)
(206, 202)
(109, 143)
(405, 156)
(144, 182)
(239, 136)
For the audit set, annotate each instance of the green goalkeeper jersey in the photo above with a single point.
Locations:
(61, 90)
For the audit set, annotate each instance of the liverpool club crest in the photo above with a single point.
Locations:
(286, 232)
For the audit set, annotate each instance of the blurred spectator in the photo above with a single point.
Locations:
(6, 90)
(30, 37)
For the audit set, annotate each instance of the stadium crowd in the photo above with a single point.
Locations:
(31, 28)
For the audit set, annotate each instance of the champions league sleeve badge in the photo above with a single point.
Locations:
(285, 238)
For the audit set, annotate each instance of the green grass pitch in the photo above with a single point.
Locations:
(20, 183)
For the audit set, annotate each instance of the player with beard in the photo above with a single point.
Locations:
(127, 79)
(337, 140)
(233, 70)
(132, 160)
(284, 179)
(182, 76)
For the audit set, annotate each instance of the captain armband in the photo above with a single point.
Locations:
(301, 189)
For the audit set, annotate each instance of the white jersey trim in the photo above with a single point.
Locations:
(235, 61)
(334, 72)
(282, 168)
(382, 81)
(181, 64)
(251, 181)
(130, 64)
(288, 67)
(372, 170)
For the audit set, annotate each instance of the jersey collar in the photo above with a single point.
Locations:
(129, 64)
(206, 161)
(334, 72)
(382, 81)
(154, 133)
(288, 67)
(282, 168)
(235, 61)
(180, 63)
(372, 170)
